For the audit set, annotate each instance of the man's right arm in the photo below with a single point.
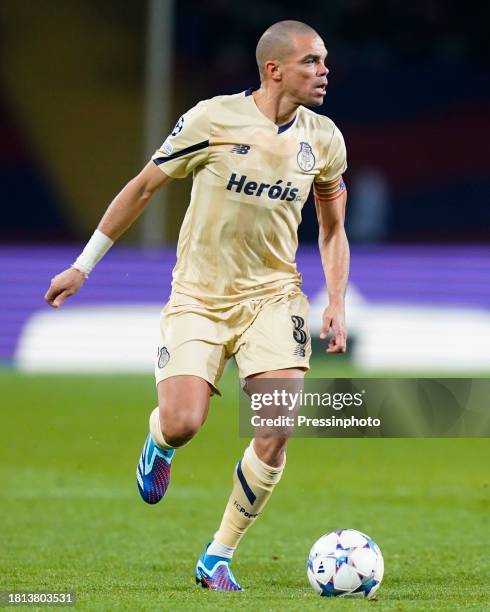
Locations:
(119, 216)
(132, 200)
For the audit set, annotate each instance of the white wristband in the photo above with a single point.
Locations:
(95, 249)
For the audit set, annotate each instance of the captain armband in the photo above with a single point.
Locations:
(327, 192)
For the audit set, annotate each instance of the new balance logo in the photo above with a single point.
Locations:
(241, 149)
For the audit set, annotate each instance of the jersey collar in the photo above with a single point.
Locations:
(280, 128)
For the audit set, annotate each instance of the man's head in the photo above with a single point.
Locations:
(291, 56)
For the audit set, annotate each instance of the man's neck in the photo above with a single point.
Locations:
(280, 109)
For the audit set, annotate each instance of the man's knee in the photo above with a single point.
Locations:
(183, 408)
(179, 426)
(271, 450)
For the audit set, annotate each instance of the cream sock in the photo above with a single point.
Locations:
(253, 483)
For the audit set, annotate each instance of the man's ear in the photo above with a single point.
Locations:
(273, 70)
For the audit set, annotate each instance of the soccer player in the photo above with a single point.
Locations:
(236, 292)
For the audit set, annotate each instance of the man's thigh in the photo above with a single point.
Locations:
(190, 344)
(278, 338)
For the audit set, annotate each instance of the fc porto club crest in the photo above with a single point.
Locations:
(306, 159)
(163, 356)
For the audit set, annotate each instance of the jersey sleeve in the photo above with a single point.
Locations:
(187, 146)
(329, 184)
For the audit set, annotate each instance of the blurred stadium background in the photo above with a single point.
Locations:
(409, 89)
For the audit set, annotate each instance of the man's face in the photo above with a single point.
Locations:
(304, 74)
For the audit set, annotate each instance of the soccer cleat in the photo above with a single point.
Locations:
(153, 471)
(214, 573)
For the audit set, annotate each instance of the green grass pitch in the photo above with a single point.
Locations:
(71, 516)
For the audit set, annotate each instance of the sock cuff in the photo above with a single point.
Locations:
(156, 430)
(266, 473)
(220, 550)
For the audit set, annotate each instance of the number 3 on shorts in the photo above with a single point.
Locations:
(299, 333)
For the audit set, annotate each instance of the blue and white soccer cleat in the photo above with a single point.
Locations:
(213, 572)
(153, 471)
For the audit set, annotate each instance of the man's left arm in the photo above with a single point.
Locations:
(334, 251)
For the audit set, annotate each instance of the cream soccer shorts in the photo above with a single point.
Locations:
(264, 334)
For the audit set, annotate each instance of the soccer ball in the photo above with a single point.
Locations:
(345, 563)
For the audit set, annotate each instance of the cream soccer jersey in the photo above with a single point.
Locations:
(251, 179)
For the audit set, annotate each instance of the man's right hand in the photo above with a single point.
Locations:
(63, 286)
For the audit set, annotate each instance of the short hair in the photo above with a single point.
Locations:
(277, 41)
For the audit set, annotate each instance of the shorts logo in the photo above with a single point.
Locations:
(241, 149)
(305, 157)
(299, 333)
(300, 351)
(163, 356)
(178, 126)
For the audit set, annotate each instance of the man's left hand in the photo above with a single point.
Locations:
(334, 317)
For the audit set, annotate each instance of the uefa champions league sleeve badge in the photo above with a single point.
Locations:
(305, 157)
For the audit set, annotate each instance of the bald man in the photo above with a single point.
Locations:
(236, 292)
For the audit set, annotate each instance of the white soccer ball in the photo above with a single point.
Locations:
(345, 563)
